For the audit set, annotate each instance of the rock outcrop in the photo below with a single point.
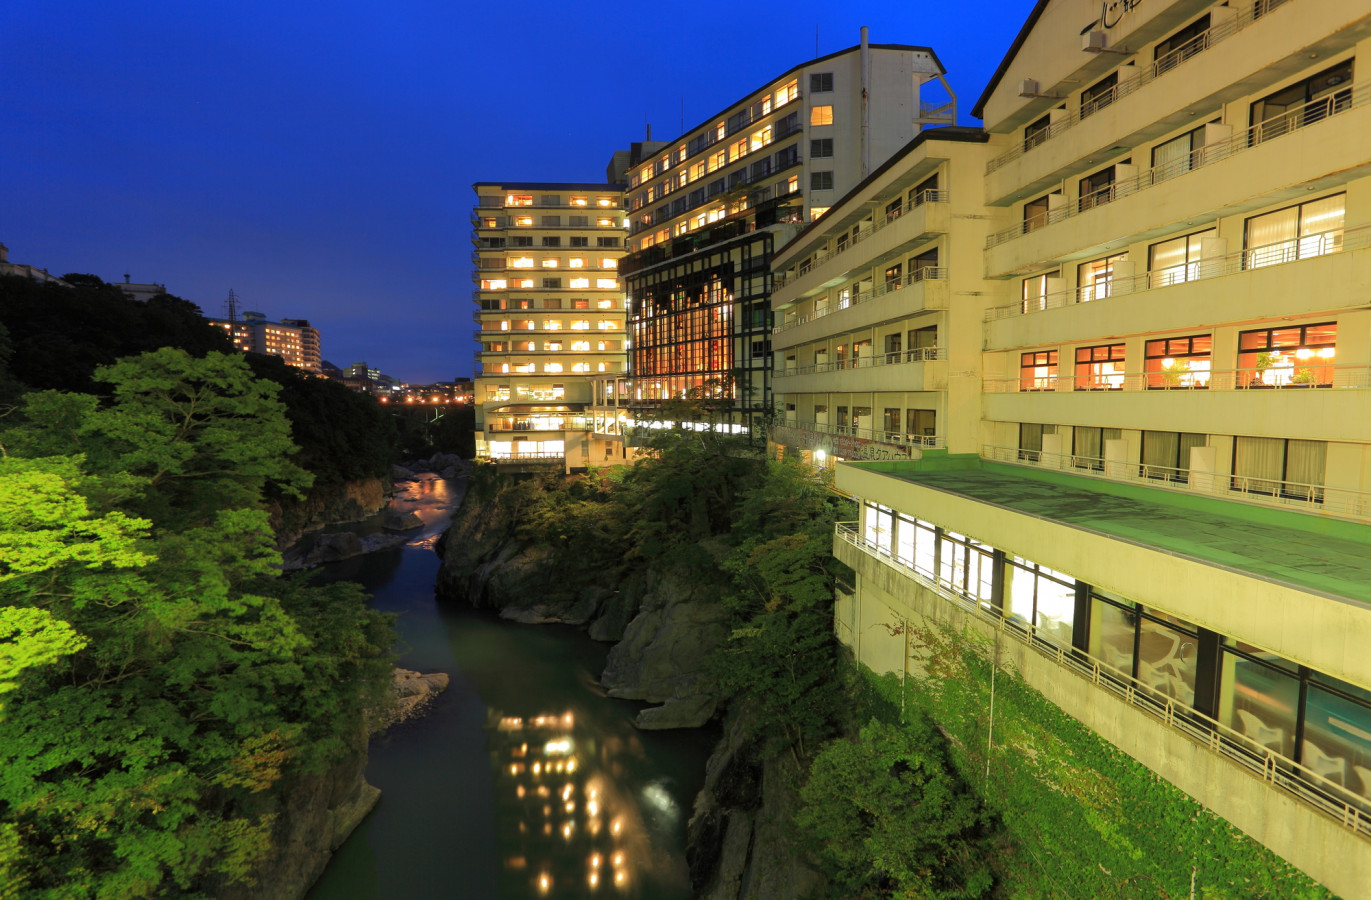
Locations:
(350, 501)
(412, 693)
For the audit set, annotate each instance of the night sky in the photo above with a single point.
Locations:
(320, 163)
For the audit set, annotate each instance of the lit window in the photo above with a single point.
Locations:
(519, 200)
(606, 283)
(489, 222)
(523, 221)
(576, 262)
(521, 262)
(551, 263)
(552, 367)
(494, 284)
(606, 263)
(523, 282)
(580, 325)
(579, 201)
(552, 324)
(607, 325)
(580, 346)
(604, 304)
(789, 92)
(816, 211)
(581, 367)
(821, 115)
(525, 368)
(578, 283)
(552, 346)
(604, 222)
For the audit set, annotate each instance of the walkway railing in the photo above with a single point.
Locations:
(1281, 772)
(1319, 499)
(897, 358)
(894, 438)
(1297, 119)
(878, 222)
(918, 276)
(1311, 374)
(1192, 48)
(1300, 249)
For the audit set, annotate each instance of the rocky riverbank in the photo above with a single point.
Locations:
(664, 623)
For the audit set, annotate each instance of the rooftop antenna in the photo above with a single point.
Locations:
(231, 304)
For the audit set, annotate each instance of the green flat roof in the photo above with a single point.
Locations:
(1311, 552)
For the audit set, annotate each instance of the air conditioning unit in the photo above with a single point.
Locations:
(1094, 42)
(1028, 88)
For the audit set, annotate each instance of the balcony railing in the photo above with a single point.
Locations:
(895, 438)
(544, 456)
(1192, 48)
(1294, 250)
(1315, 375)
(918, 276)
(1345, 503)
(1296, 120)
(878, 222)
(896, 358)
(1350, 809)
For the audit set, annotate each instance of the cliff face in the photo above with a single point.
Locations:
(314, 815)
(665, 624)
(348, 501)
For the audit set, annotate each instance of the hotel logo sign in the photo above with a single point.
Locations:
(1113, 11)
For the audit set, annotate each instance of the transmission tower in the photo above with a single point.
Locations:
(231, 304)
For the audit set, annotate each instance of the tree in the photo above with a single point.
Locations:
(889, 819)
(156, 671)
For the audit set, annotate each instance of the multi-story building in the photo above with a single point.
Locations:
(878, 308)
(708, 210)
(1171, 505)
(550, 312)
(294, 340)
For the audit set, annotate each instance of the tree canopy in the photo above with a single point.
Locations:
(155, 671)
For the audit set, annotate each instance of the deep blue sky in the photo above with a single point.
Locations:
(320, 162)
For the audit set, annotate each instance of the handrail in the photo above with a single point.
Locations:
(897, 438)
(530, 456)
(1315, 375)
(1346, 503)
(895, 358)
(1306, 785)
(1310, 246)
(1297, 119)
(918, 276)
(1192, 48)
(780, 279)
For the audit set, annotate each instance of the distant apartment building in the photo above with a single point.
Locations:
(22, 270)
(294, 340)
(550, 315)
(1156, 484)
(708, 211)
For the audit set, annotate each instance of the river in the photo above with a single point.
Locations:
(523, 779)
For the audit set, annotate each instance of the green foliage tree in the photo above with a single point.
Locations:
(156, 671)
(889, 819)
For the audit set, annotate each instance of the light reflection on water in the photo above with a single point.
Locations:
(452, 822)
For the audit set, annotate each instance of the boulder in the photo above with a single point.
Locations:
(333, 547)
(399, 520)
(686, 712)
(412, 692)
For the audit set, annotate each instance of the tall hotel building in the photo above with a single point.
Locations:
(550, 314)
(707, 211)
(1164, 510)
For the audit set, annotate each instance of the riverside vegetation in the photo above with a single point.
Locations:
(175, 718)
(712, 570)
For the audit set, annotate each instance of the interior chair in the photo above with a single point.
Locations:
(1334, 768)
(1259, 731)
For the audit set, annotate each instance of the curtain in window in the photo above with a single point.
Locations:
(1321, 226)
(1304, 462)
(1172, 158)
(1087, 442)
(1258, 464)
(1161, 449)
(1270, 239)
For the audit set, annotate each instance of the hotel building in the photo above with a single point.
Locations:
(550, 314)
(1166, 511)
(294, 340)
(878, 308)
(708, 210)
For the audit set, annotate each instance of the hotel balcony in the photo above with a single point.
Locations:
(1225, 401)
(1273, 38)
(1308, 814)
(922, 289)
(929, 216)
(1317, 146)
(850, 442)
(1311, 276)
(908, 370)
